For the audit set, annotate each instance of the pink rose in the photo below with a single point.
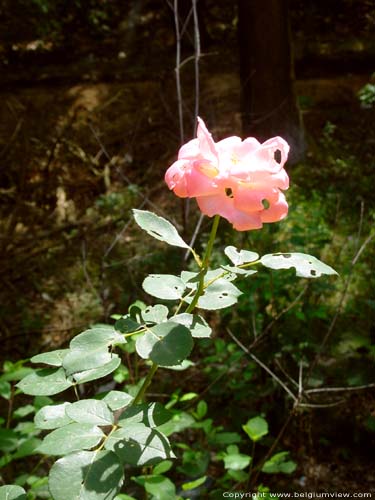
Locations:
(238, 180)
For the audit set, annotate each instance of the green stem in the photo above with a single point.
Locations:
(206, 260)
(145, 384)
(205, 263)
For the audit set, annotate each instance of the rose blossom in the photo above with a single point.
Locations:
(238, 180)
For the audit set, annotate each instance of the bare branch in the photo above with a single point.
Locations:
(265, 367)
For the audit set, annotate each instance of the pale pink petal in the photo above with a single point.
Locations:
(175, 177)
(265, 155)
(189, 150)
(228, 145)
(223, 205)
(277, 211)
(281, 179)
(247, 148)
(200, 184)
(206, 143)
(251, 200)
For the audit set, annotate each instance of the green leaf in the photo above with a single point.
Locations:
(12, 492)
(77, 360)
(238, 270)
(117, 399)
(163, 467)
(225, 438)
(8, 440)
(239, 257)
(236, 461)
(196, 324)
(256, 428)
(178, 423)
(186, 363)
(27, 448)
(53, 358)
(98, 337)
(158, 228)
(86, 475)
(160, 487)
(191, 485)
(201, 410)
(166, 344)
(127, 324)
(90, 411)
(45, 382)
(155, 314)
(95, 373)
(23, 411)
(279, 464)
(238, 475)
(149, 414)
(52, 417)
(222, 293)
(5, 389)
(306, 266)
(70, 438)
(164, 286)
(139, 445)
(89, 350)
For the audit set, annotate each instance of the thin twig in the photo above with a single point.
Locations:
(286, 373)
(177, 70)
(197, 55)
(340, 389)
(265, 367)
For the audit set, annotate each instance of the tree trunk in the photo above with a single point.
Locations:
(269, 106)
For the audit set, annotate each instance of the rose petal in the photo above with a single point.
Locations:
(190, 150)
(276, 211)
(251, 200)
(206, 143)
(223, 205)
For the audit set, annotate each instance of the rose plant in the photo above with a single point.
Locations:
(96, 439)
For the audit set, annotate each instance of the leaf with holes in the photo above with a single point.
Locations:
(306, 266)
(158, 228)
(87, 475)
(196, 324)
(243, 273)
(139, 445)
(167, 344)
(221, 293)
(45, 382)
(155, 314)
(239, 257)
(164, 286)
(52, 416)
